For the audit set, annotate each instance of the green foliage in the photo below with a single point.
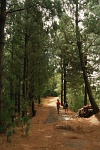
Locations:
(25, 120)
(7, 114)
(50, 93)
(75, 97)
(27, 129)
(24, 105)
(77, 101)
(9, 133)
(27, 37)
(30, 35)
(3, 128)
(25, 125)
(18, 121)
(52, 88)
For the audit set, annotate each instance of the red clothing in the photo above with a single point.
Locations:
(58, 103)
(58, 106)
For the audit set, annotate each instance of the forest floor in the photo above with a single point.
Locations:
(52, 131)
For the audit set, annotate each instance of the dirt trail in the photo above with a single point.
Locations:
(52, 131)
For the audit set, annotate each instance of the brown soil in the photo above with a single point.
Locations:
(52, 131)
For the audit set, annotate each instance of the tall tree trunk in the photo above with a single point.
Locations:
(85, 88)
(11, 88)
(82, 61)
(62, 81)
(19, 98)
(25, 72)
(33, 109)
(39, 99)
(65, 83)
(2, 25)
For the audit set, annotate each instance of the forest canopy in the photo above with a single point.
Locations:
(48, 47)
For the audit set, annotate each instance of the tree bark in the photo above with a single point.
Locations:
(82, 61)
(85, 96)
(85, 88)
(2, 25)
(62, 81)
(25, 94)
(65, 83)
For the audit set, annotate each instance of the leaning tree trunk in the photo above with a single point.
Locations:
(85, 96)
(79, 45)
(2, 25)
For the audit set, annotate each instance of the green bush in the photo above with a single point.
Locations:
(3, 128)
(25, 119)
(7, 114)
(50, 93)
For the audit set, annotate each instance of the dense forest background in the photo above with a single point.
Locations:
(48, 48)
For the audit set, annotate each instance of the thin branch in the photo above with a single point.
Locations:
(11, 11)
(21, 9)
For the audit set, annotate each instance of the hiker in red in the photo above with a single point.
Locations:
(58, 105)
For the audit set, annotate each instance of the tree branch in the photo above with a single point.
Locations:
(11, 11)
(21, 9)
